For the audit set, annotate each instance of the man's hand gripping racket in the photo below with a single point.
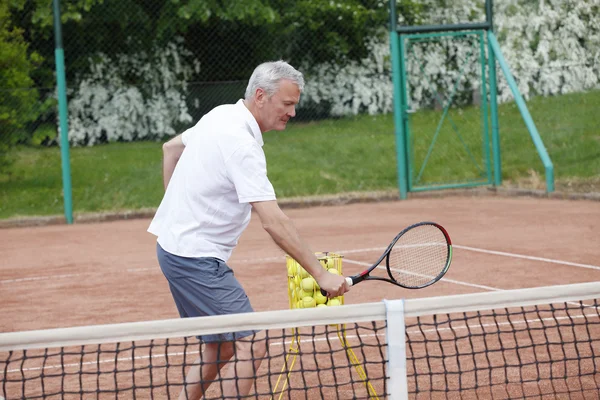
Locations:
(418, 256)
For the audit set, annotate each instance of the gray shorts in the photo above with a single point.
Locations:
(204, 286)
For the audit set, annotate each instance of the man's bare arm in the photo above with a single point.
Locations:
(284, 233)
(171, 152)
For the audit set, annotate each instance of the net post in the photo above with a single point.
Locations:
(397, 384)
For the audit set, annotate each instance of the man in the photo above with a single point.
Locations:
(214, 174)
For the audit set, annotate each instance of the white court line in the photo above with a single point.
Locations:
(513, 255)
(496, 253)
(342, 252)
(490, 288)
(137, 270)
(40, 278)
(64, 276)
(443, 279)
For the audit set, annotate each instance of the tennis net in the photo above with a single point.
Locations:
(528, 343)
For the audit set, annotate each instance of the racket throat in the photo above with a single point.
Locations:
(359, 278)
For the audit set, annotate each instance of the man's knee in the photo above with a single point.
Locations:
(253, 347)
(260, 348)
(220, 351)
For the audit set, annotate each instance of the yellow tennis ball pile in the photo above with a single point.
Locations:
(304, 292)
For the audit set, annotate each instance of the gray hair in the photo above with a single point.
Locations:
(268, 75)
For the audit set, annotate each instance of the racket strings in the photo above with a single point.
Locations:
(419, 256)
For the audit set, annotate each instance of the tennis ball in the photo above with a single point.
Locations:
(302, 294)
(319, 298)
(302, 273)
(330, 263)
(333, 302)
(308, 302)
(299, 304)
(308, 284)
(333, 271)
(321, 305)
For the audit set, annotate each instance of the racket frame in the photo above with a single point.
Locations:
(365, 275)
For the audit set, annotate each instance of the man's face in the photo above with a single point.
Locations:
(279, 108)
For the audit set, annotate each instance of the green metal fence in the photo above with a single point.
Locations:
(456, 89)
(454, 127)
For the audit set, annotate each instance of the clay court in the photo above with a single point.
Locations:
(104, 273)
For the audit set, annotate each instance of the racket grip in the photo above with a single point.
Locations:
(349, 282)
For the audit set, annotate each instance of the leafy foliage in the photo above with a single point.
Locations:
(18, 96)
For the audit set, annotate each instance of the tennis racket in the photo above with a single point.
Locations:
(418, 256)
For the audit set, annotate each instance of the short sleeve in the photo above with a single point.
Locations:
(247, 169)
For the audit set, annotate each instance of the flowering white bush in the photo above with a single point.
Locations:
(363, 86)
(551, 46)
(443, 70)
(132, 96)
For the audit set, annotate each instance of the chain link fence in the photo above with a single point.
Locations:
(147, 70)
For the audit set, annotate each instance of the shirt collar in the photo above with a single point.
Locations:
(251, 122)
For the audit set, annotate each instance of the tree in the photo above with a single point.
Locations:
(314, 31)
(19, 97)
(221, 32)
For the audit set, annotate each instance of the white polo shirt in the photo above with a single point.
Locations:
(222, 169)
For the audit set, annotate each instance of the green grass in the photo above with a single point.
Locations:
(349, 154)
(353, 154)
(570, 128)
(117, 176)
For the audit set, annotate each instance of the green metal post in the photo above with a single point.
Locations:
(494, 115)
(404, 90)
(484, 110)
(535, 136)
(62, 113)
(489, 12)
(398, 103)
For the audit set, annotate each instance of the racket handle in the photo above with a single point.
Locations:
(349, 282)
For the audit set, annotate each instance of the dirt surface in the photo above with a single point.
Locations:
(101, 273)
